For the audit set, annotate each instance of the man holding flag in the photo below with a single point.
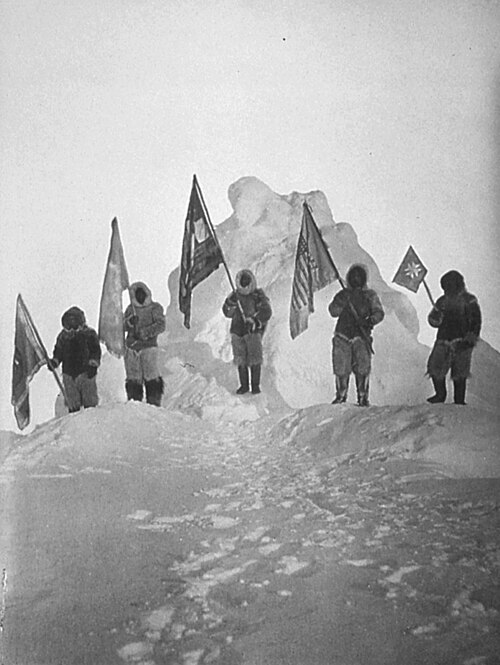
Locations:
(77, 348)
(358, 309)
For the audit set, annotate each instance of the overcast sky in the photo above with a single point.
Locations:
(108, 107)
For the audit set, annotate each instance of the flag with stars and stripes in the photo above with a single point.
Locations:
(314, 269)
(411, 272)
(201, 253)
(29, 356)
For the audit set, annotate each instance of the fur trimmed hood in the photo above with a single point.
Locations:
(363, 269)
(452, 282)
(140, 285)
(251, 287)
(75, 312)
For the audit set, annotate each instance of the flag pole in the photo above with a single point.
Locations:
(212, 230)
(428, 292)
(342, 284)
(44, 350)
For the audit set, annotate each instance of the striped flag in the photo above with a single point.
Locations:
(314, 269)
(29, 356)
(111, 331)
(201, 254)
(411, 273)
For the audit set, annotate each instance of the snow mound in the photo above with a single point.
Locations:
(459, 442)
(261, 234)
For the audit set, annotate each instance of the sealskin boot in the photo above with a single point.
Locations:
(243, 374)
(255, 374)
(362, 387)
(154, 391)
(341, 387)
(134, 390)
(440, 390)
(459, 386)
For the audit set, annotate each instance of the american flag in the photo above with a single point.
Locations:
(201, 253)
(411, 273)
(314, 269)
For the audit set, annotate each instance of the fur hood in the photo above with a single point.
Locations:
(76, 312)
(133, 288)
(357, 266)
(250, 288)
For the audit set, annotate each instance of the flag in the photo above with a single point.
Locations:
(111, 331)
(201, 254)
(29, 356)
(411, 272)
(314, 269)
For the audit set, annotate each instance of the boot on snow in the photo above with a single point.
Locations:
(459, 386)
(255, 374)
(440, 391)
(243, 375)
(134, 390)
(341, 387)
(362, 387)
(154, 391)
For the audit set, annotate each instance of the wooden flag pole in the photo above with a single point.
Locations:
(44, 350)
(214, 235)
(428, 292)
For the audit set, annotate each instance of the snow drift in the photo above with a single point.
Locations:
(261, 235)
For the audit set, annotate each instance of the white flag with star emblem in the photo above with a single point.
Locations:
(411, 272)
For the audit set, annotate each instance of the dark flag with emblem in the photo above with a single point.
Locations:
(411, 273)
(201, 253)
(29, 356)
(314, 269)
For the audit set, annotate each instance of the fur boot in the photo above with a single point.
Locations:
(459, 386)
(362, 387)
(341, 387)
(243, 375)
(440, 391)
(134, 390)
(154, 391)
(255, 372)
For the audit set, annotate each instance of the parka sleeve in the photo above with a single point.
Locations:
(158, 325)
(435, 316)
(264, 310)
(376, 309)
(94, 349)
(338, 303)
(474, 318)
(58, 350)
(230, 305)
(126, 319)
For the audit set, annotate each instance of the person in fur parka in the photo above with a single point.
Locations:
(247, 327)
(144, 320)
(77, 348)
(457, 316)
(350, 352)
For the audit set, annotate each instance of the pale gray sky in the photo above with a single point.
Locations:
(108, 107)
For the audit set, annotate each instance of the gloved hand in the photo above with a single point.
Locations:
(467, 342)
(366, 322)
(91, 371)
(52, 364)
(471, 339)
(253, 324)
